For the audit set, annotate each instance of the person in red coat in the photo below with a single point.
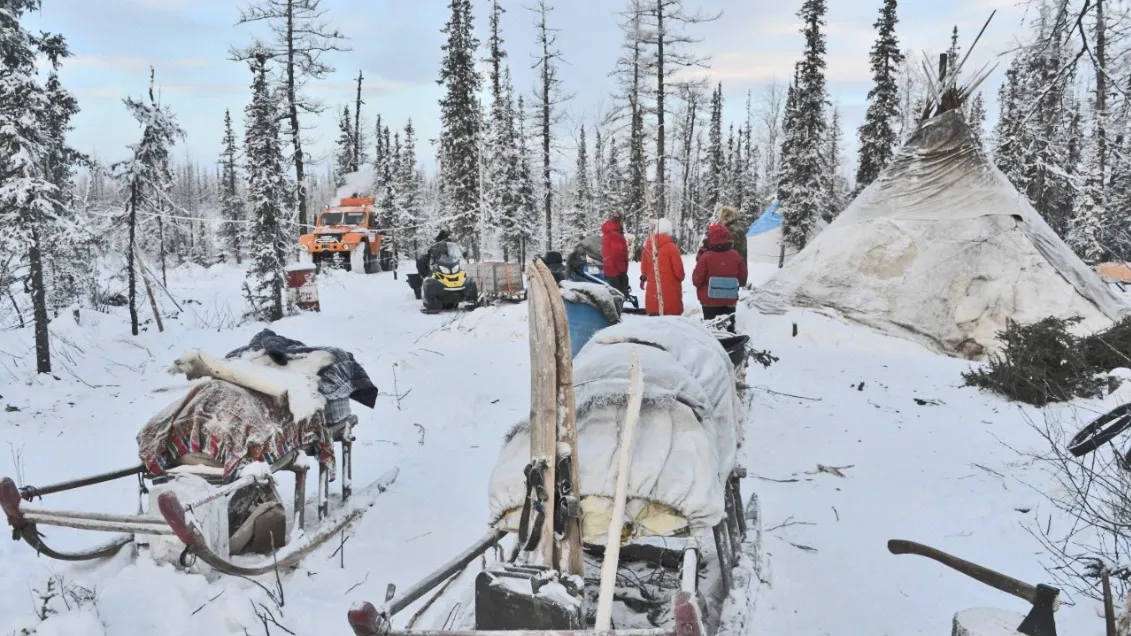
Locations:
(614, 253)
(662, 266)
(719, 273)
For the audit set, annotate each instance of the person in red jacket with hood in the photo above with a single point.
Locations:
(614, 253)
(662, 262)
(719, 273)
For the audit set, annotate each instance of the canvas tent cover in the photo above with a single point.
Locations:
(942, 249)
(686, 440)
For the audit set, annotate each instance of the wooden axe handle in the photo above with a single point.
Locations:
(996, 580)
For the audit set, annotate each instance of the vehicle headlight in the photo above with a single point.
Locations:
(445, 270)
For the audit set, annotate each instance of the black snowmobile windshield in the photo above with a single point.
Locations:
(343, 218)
(447, 264)
(449, 258)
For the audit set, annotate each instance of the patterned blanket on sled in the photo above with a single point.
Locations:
(686, 441)
(224, 423)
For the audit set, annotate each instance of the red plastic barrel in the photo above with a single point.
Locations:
(302, 285)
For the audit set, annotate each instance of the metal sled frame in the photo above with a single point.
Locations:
(732, 537)
(176, 516)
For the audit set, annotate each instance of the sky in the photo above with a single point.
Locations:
(396, 44)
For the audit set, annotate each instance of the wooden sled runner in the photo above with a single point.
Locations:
(191, 515)
(542, 587)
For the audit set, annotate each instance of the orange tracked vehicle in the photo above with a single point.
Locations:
(346, 236)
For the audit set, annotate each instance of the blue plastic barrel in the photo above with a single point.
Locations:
(584, 321)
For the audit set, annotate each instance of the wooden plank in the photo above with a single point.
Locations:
(572, 557)
(543, 407)
(616, 521)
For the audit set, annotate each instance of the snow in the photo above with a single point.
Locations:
(452, 385)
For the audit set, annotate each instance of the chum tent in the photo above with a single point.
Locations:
(763, 237)
(943, 250)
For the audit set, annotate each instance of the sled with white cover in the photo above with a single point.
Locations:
(209, 460)
(635, 439)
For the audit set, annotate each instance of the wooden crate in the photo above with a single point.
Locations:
(498, 279)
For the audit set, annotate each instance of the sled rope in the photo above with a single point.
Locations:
(535, 497)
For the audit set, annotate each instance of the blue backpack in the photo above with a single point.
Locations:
(721, 288)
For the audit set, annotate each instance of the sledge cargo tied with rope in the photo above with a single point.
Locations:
(208, 463)
(626, 466)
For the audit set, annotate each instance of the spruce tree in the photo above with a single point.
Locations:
(1037, 136)
(837, 187)
(808, 171)
(612, 187)
(410, 190)
(147, 176)
(878, 136)
(231, 204)
(976, 117)
(344, 149)
(526, 227)
(263, 287)
(715, 156)
(579, 223)
(301, 39)
(29, 201)
(67, 254)
(460, 123)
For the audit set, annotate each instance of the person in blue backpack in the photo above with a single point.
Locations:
(719, 273)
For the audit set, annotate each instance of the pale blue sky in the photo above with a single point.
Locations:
(397, 45)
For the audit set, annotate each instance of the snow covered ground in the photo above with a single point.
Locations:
(840, 396)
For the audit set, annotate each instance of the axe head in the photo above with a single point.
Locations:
(1040, 621)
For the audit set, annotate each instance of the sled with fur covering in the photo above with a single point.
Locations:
(542, 591)
(176, 516)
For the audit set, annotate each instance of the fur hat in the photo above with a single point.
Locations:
(663, 226)
(728, 215)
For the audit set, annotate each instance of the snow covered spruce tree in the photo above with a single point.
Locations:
(73, 237)
(231, 205)
(878, 136)
(715, 157)
(976, 117)
(580, 220)
(263, 288)
(301, 38)
(1036, 141)
(459, 126)
(526, 227)
(147, 176)
(29, 201)
(500, 187)
(410, 205)
(344, 148)
(808, 173)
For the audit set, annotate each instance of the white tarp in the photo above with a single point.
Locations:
(686, 441)
(944, 250)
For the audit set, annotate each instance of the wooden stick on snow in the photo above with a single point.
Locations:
(149, 292)
(616, 522)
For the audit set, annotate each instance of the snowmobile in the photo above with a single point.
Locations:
(602, 517)
(209, 460)
(448, 284)
(585, 264)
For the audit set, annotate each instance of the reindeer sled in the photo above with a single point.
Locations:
(209, 462)
(622, 491)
